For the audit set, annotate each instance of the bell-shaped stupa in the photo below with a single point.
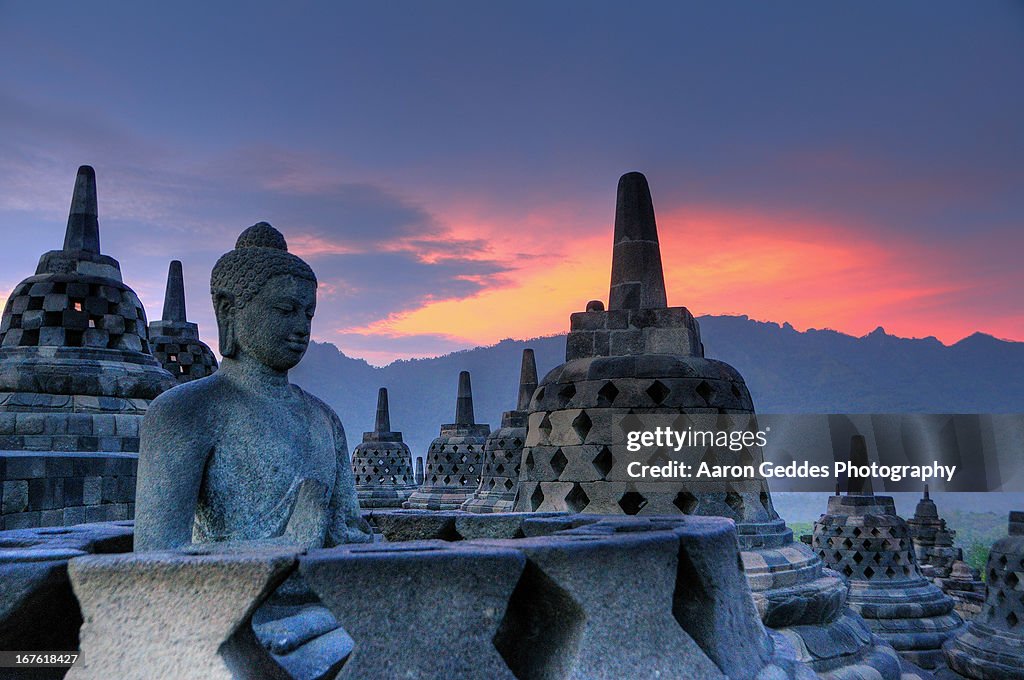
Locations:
(992, 645)
(382, 463)
(863, 538)
(454, 458)
(75, 360)
(941, 561)
(640, 359)
(503, 451)
(175, 340)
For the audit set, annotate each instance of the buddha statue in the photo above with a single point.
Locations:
(243, 454)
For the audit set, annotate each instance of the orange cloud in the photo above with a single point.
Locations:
(717, 261)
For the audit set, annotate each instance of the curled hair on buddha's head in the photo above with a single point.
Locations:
(260, 254)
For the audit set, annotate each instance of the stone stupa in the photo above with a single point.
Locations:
(75, 360)
(941, 561)
(175, 340)
(863, 538)
(503, 450)
(991, 647)
(454, 459)
(382, 463)
(928, 531)
(642, 357)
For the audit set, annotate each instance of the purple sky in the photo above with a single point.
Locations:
(434, 160)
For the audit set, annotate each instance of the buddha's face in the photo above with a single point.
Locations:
(273, 327)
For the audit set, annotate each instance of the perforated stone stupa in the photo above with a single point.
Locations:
(382, 463)
(454, 458)
(992, 645)
(928, 531)
(863, 538)
(76, 371)
(175, 340)
(503, 451)
(642, 357)
(941, 561)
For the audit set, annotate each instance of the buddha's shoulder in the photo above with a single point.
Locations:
(317, 404)
(192, 397)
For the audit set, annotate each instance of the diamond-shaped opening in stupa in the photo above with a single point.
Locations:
(558, 462)
(582, 425)
(606, 395)
(539, 636)
(686, 502)
(536, 498)
(658, 392)
(632, 502)
(577, 499)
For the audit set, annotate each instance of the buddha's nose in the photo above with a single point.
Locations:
(301, 331)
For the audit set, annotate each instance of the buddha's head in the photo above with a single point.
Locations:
(264, 298)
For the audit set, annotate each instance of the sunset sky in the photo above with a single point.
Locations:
(449, 168)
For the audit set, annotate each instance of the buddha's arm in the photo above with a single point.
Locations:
(172, 456)
(347, 524)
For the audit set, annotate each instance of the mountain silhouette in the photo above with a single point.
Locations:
(787, 371)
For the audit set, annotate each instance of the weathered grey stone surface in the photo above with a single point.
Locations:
(992, 645)
(382, 463)
(37, 608)
(642, 357)
(74, 347)
(445, 604)
(243, 454)
(503, 450)
(174, 340)
(170, 615)
(454, 459)
(577, 596)
(862, 538)
(455, 525)
(585, 597)
(62, 488)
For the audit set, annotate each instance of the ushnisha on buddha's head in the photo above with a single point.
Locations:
(264, 298)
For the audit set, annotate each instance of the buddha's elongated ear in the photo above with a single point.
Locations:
(224, 308)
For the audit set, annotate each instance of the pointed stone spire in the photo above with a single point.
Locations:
(860, 486)
(419, 471)
(174, 297)
(527, 380)
(464, 403)
(926, 496)
(383, 422)
(637, 278)
(83, 231)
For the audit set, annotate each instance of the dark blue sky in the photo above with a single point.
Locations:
(425, 153)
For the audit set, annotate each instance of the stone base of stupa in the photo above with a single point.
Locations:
(383, 496)
(798, 597)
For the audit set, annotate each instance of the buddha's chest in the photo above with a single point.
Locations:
(271, 446)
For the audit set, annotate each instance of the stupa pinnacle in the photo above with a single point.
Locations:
(83, 232)
(503, 450)
(638, 281)
(454, 458)
(175, 340)
(382, 463)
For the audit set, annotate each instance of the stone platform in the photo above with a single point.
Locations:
(462, 595)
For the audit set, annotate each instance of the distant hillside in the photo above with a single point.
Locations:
(787, 371)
